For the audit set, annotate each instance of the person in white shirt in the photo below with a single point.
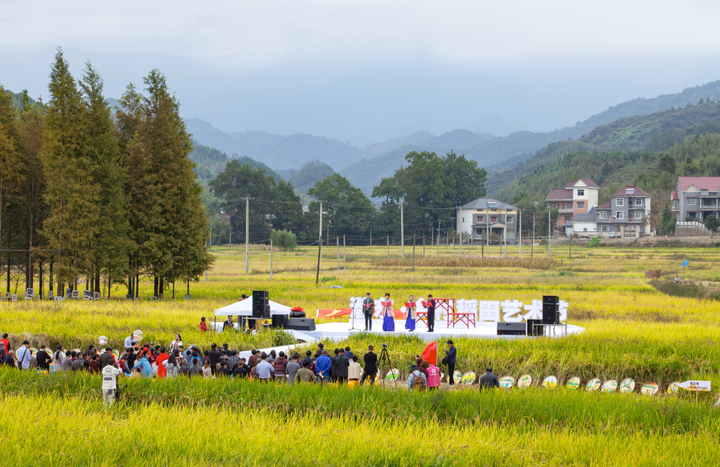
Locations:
(129, 340)
(109, 384)
(23, 356)
(354, 370)
(265, 370)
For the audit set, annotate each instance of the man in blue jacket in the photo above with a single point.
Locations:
(451, 353)
(322, 367)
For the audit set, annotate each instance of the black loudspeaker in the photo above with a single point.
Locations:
(511, 329)
(300, 324)
(532, 330)
(551, 309)
(551, 313)
(297, 314)
(279, 321)
(260, 304)
(551, 299)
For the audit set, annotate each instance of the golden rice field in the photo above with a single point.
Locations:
(632, 330)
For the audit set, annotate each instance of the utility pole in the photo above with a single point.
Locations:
(520, 220)
(487, 231)
(317, 273)
(247, 235)
(532, 245)
(413, 253)
(271, 258)
(402, 230)
(344, 252)
(505, 233)
(549, 248)
(437, 253)
(461, 241)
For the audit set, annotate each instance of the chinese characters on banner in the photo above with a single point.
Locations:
(509, 311)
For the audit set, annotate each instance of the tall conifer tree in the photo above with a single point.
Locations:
(109, 245)
(73, 199)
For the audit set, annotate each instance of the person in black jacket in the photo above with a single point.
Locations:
(333, 365)
(106, 358)
(451, 353)
(43, 358)
(431, 314)
(371, 369)
(342, 363)
(214, 355)
(489, 380)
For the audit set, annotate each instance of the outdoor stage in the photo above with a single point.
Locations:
(341, 330)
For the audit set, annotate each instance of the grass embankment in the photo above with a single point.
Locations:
(532, 407)
(196, 421)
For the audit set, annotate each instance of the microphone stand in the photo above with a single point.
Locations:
(353, 316)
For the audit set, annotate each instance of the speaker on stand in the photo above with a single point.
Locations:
(551, 309)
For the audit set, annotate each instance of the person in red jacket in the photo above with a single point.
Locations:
(162, 369)
(203, 325)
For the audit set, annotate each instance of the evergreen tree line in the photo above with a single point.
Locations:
(429, 188)
(99, 195)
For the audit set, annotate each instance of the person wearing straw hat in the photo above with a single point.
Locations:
(416, 379)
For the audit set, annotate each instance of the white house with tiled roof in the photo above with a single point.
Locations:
(578, 197)
(478, 217)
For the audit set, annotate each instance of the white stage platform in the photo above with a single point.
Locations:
(488, 330)
(341, 330)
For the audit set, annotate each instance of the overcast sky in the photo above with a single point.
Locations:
(368, 70)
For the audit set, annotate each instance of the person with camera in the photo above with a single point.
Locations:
(371, 367)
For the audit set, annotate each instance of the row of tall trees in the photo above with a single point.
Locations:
(429, 188)
(105, 195)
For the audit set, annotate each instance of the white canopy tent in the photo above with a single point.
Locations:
(244, 308)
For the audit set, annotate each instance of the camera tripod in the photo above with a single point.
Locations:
(384, 363)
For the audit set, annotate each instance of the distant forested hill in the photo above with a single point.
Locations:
(211, 161)
(509, 157)
(654, 132)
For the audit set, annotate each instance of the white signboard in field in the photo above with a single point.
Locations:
(695, 385)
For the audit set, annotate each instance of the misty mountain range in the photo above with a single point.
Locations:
(366, 166)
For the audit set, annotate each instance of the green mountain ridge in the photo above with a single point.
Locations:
(654, 133)
(516, 150)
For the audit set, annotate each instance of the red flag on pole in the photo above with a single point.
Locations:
(430, 353)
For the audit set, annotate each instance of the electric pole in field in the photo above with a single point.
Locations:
(247, 235)
(520, 220)
(549, 248)
(402, 230)
(317, 273)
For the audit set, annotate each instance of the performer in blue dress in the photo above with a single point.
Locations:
(411, 316)
(388, 315)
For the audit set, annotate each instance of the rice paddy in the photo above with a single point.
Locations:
(632, 331)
